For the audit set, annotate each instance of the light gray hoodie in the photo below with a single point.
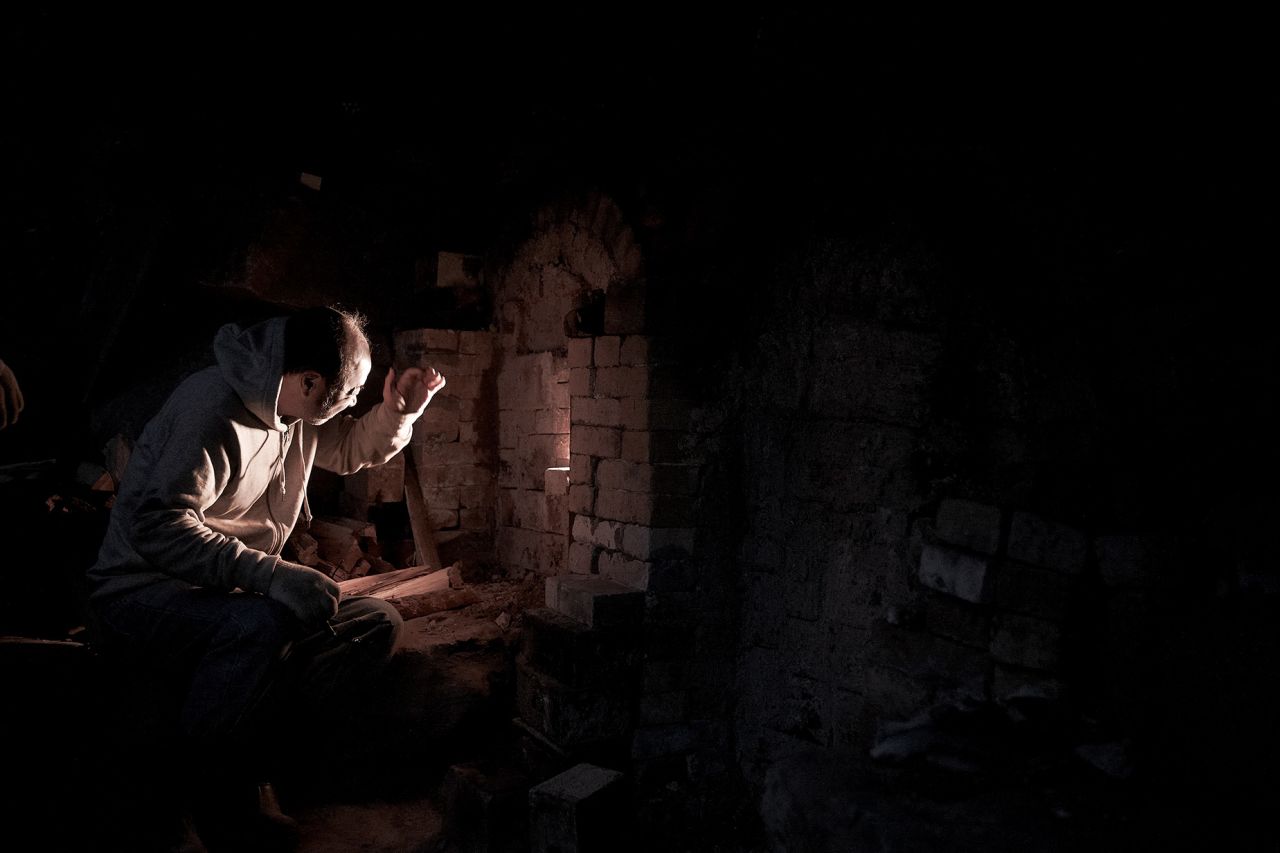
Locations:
(217, 479)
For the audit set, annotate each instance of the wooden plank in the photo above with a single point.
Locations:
(412, 592)
(419, 518)
(371, 584)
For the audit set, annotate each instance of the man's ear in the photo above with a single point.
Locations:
(310, 383)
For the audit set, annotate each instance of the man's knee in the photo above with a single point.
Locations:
(370, 620)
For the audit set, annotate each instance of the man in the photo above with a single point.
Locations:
(190, 577)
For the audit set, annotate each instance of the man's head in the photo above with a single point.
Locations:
(326, 363)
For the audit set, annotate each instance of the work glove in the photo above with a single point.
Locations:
(309, 595)
(11, 401)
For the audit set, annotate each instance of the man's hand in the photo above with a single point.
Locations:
(309, 594)
(11, 401)
(409, 393)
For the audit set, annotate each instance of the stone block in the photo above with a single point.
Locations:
(583, 810)
(570, 716)
(442, 497)
(582, 499)
(557, 514)
(556, 481)
(632, 507)
(607, 534)
(460, 388)
(619, 567)
(954, 572)
(525, 381)
(581, 381)
(1047, 543)
(577, 656)
(969, 525)
(525, 466)
(595, 441)
(558, 395)
(485, 812)
(580, 352)
(476, 343)
(550, 421)
(597, 602)
(607, 349)
(622, 381)
(582, 558)
(643, 542)
(596, 411)
(657, 446)
(645, 413)
(581, 528)
(580, 469)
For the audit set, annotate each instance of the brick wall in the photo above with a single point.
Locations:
(574, 253)
(909, 535)
(454, 442)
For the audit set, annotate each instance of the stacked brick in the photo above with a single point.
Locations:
(578, 671)
(631, 481)
(452, 442)
(533, 461)
(1022, 584)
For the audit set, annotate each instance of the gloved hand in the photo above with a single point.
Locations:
(309, 594)
(11, 401)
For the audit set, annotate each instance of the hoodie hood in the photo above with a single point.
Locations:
(252, 362)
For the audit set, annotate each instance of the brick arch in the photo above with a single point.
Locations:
(576, 246)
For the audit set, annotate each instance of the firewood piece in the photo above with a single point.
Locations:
(338, 545)
(372, 583)
(359, 529)
(412, 592)
(378, 566)
(306, 550)
(455, 577)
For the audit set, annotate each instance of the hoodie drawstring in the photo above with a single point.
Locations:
(283, 467)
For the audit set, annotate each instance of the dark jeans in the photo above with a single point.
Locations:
(241, 663)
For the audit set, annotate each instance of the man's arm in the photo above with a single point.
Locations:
(345, 445)
(192, 468)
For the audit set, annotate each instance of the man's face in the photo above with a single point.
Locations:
(342, 395)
